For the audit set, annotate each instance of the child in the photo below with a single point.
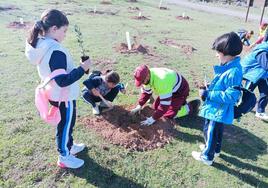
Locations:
(43, 49)
(172, 88)
(245, 36)
(100, 86)
(255, 67)
(261, 37)
(220, 97)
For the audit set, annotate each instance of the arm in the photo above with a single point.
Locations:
(92, 83)
(230, 95)
(262, 59)
(58, 61)
(145, 96)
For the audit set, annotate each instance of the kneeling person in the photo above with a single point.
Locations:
(172, 88)
(103, 89)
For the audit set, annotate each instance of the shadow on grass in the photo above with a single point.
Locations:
(247, 178)
(98, 175)
(236, 140)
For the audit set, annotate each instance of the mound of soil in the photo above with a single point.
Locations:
(134, 8)
(8, 7)
(120, 128)
(18, 25)
(140, 18)
(183, 18)
(135, 48)
(185, 48)
(106, 2)
(103, 12)
(163, 8)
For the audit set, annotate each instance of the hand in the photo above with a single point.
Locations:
(123, 91)
(122, 88)
(149, 121)
(135, 110)
(203, 93)
(95, 92)
(85, 64)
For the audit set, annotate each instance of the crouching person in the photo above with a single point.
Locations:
(102, 89)
(172, 90)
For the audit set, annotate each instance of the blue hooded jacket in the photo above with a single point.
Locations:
(221, 98)
(252, 69)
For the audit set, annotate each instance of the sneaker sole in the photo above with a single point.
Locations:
(61, 165)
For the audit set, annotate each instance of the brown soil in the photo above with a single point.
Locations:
(134, 8)
(183, 18)
(103, 12)
(18, 25)
(135, 48)
(120, 128)
(185, 48)
(163, 8)
(106, 2)
(8, 7)
(140, 18)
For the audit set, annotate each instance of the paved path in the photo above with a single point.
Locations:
(214, 9)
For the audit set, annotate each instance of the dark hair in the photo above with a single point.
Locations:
(228, 44)
(49, 18)
(112, 77)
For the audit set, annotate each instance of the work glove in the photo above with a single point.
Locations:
(149, 121)
(136, 109)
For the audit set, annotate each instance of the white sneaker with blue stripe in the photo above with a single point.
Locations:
(76, 148)
(202, 147)
(262, 116)
(69, 161)
(198, 156)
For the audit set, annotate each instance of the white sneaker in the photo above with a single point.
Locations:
(202, 147)
(262, 116)
(96, 110)
(69, 161)
(76, 148)
(197, 156)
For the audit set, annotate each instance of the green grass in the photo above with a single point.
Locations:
(28, 152)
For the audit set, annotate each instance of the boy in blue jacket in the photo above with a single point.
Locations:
(220, 97)
(255, 67)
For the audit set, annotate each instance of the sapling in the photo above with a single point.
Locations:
(80, 41)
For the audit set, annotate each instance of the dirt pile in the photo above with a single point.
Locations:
(184, 48)
(120, 128)
(8, 7)
(19, 25)
(183, 18)
(135, 48)
(140, 18)
(106, 2)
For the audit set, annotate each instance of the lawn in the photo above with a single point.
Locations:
(28, 151)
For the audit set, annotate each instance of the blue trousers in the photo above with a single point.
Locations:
(213, 132)
(64, 131)
(90, 98)
(262, 85)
